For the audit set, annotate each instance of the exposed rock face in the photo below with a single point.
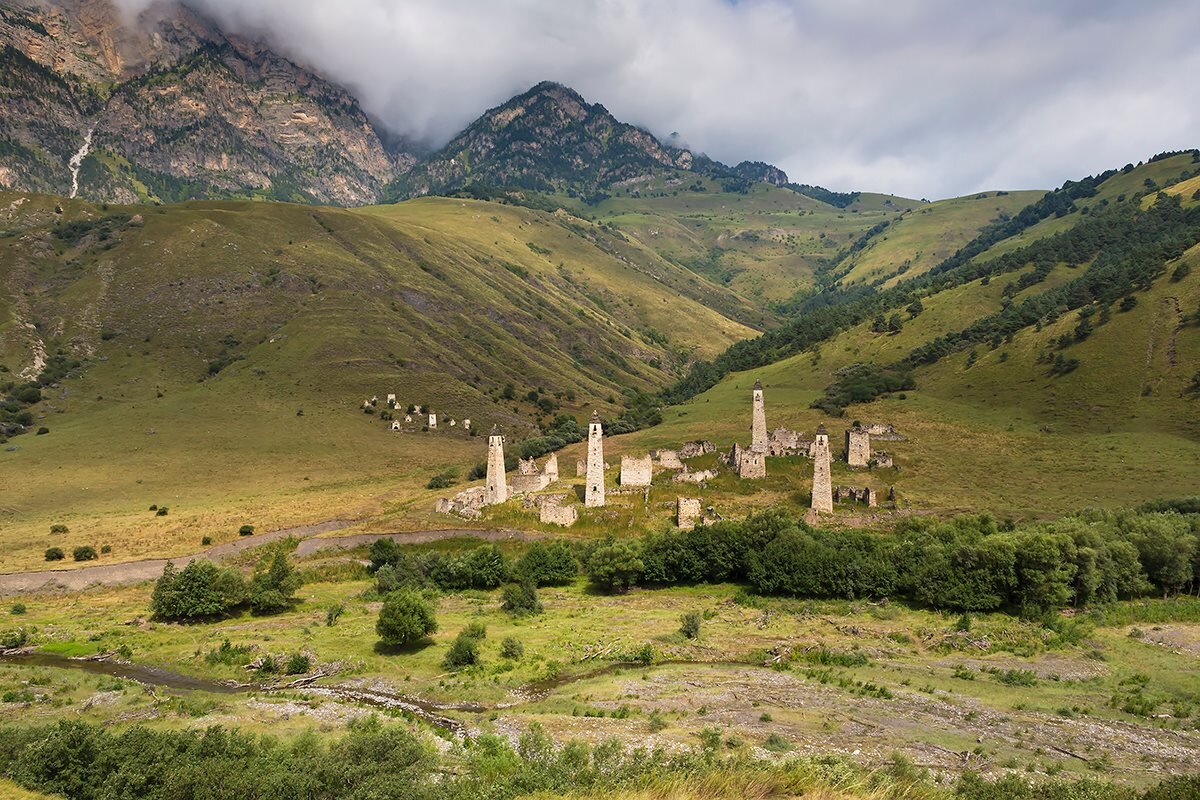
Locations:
(551, 139)
(759, 171)
(180, 110)
(548, 138)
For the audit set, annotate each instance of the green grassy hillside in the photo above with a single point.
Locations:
(225, 350)
(767, 244)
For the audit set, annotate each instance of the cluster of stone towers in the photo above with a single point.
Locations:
(496, 488)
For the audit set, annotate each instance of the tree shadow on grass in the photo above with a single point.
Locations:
(384, 649)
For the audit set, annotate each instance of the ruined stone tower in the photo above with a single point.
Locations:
(822, 491)
(858, 446)
(496, 490)
(550, 471)
(758, 421)
(593, 492)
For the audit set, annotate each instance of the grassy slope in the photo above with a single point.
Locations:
(924, 237)
(325, 307)
(1004, 435)
(766, 245)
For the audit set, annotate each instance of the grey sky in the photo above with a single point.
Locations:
(924, 98)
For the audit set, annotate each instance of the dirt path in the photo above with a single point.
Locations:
(150, 568)
(310, 546)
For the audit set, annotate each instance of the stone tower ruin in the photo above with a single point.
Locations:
(593, 492)
(758, 421)
(858, 446)
(497, 487)
(822, 491)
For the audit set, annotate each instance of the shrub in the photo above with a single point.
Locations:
(333, 613)
(464, 652)
(406, 617)
(229, 654)
(615, 566)
(205, 541)
(162, 511)
(201, 590)
(54, 554)
(690, 624)
(17, 609)
(84, 553)
(512, 648)
(59, 528)
(298, 664)
(105, 549)
(274, 589)
(443, 480)
(42, 431)
(11, 640)
(521, 598)
(548, 565)
(246, 530)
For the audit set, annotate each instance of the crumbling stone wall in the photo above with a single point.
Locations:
(697, 448)
(468, 503)
(636, 471)
(668, 459)
(687, 512)
(753, 464)
(858, 447)
(556, 511)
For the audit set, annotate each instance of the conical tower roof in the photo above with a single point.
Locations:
(595, 417)
(821, 430)
(757, 385)
(495, 430)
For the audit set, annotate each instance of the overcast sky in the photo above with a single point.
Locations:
(923, 98)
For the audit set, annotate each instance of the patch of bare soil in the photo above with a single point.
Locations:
(934, 730)
(1179, 638)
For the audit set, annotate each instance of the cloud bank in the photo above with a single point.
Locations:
(923, 98)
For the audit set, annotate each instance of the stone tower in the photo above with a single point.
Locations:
(822, 491)
(550, 471)
(758, 420)
(497, 487)
(858, 446)
(593, 493)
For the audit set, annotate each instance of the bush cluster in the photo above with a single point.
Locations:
(968, 564)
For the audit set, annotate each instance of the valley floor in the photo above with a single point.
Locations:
(774, 677)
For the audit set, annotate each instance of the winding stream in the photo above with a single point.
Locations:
(77, 160)
(429, 711)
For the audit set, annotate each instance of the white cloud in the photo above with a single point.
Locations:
(921, 97)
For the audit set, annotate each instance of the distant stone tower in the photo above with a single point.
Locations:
(593, 492)
(550, 471)
(758, 421)
(858, 446)
(822, 491)
(496, 490)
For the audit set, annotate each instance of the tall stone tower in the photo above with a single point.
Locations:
(593, 492)
(497, 487)
(858, 446)
(822, 491)
(758, 420)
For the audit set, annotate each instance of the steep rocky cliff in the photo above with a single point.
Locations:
(549, 139)
(178, 109)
